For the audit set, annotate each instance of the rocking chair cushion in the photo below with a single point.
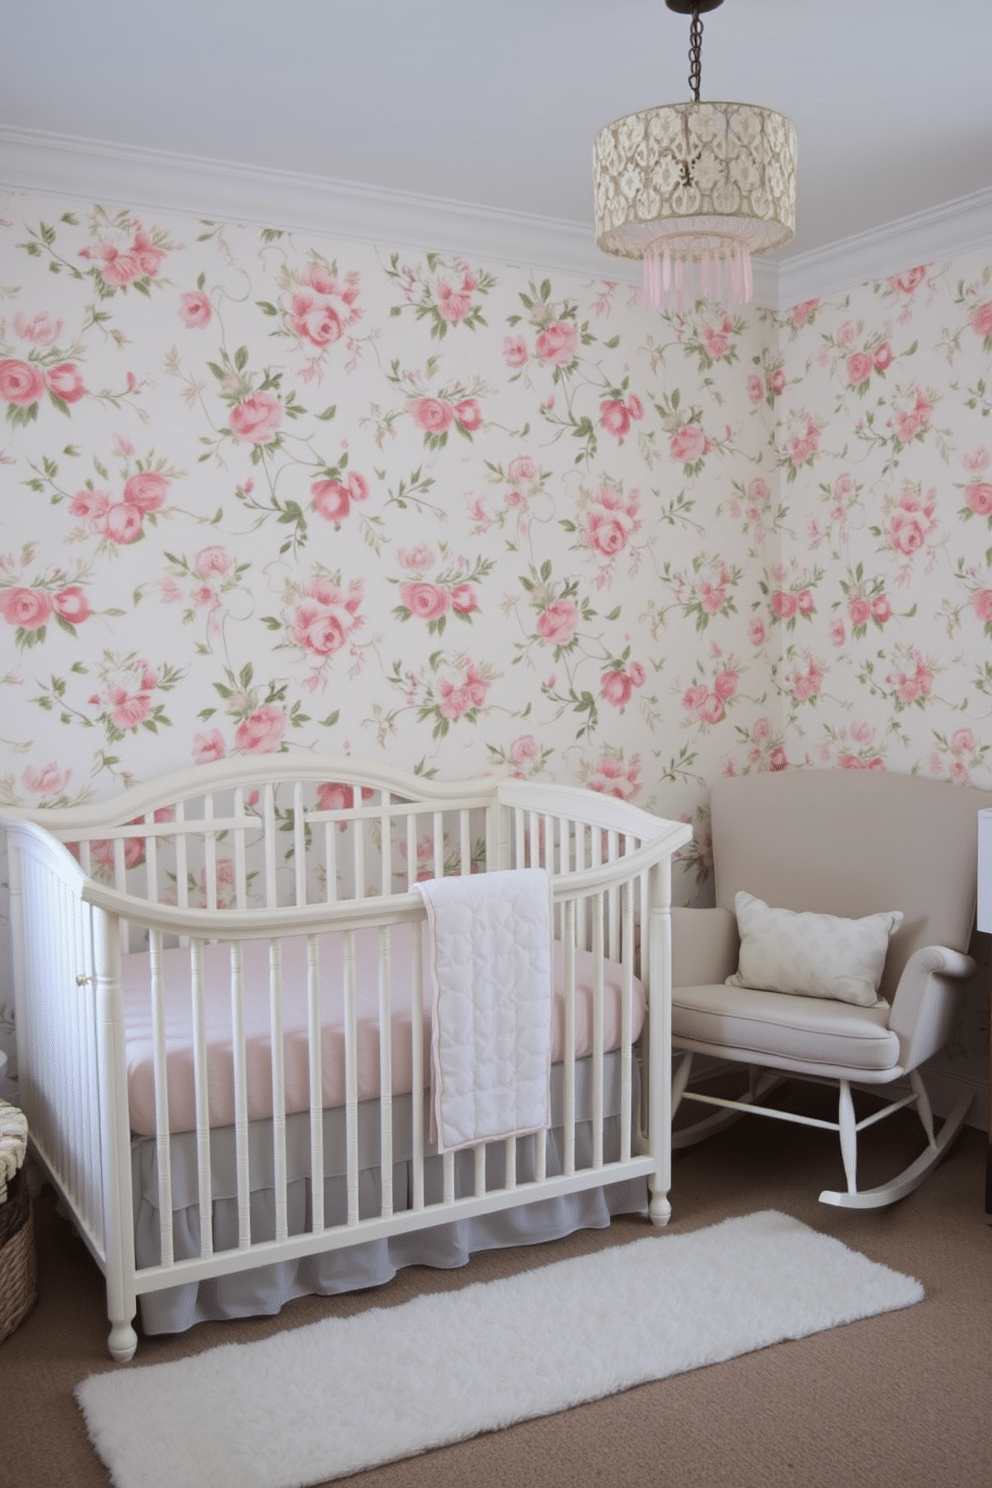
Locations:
(809, 1033)
(812, 955)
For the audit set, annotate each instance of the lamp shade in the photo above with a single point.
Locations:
(695, 189)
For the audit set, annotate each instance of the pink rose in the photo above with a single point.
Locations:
(556, 344)
(981, 319)
(332, 795)
(881, 609)
(906, 282)
(463, 599)
(963, 741)
(419, 557)
(756, 632)
(515, 351)
(762, 731)
(145, 490)
(837, 633)
(607, 531)
(212, 562)
(452, 304)
(778, 759)
(122, 523)
(755, 388)
(475, 686)
(614, 417)
(28, 609)
(425, 601)
(331, 500)
(694, 697)
(710, 709)
(358, 486)
(195, 310)
(261, 733)
(148, 256)
(40, 329)
(433, 416)
(907, 531)
(320, 629)
(882, 358)
(20, 382)
(313, 320)
(616, 688)
(256, 419)
(468, 414)
(777, 382)
(688, 444)
(524, 749)
(92, 506)
(859, 367)
(556, 625)
(521, 468)
(129, 710)
(804, 602)
(859, 610)
(45, 780)
(712, 597)
(208, 747)
(65, 383)
(71, 605)
(800, 314)
(725, 684)
(982, 605)
(714, 342)
(116, 268)
(784, 605)
(979, 497)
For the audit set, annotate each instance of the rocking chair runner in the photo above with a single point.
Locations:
(844, 844)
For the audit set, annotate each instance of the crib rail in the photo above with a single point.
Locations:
(222, 866)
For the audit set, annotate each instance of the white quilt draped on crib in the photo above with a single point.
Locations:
(490, 959)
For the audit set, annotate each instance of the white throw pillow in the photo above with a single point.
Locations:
(813, 955)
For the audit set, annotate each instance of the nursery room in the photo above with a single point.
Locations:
(454, 554)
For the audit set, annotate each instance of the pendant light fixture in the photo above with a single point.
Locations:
(694, 189)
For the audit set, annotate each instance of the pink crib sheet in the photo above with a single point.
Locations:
(139, 1045)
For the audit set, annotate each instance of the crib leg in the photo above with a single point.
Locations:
(122, 1342)
(659, 1208)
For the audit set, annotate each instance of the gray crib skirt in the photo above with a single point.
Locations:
(264, 1290)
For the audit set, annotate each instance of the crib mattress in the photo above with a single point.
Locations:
(257, 1022)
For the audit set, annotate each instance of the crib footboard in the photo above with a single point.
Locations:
(145, 947)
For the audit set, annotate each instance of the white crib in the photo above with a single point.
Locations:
(223, 1026)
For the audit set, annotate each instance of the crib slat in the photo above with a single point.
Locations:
(204, 1176)
(438, 845)
(626, 1022)
(163, 1146)
(568, 1117)
(269, 828)
(299, 843)
(597, 1031)
(277, 1055)
(209, 853)
(315, 1055)
(240, 854)
(386, 846)
(351, 1075)
(385, 1072)
(411, 850)
(417, 1060)
(240, 1094)
(464, 843)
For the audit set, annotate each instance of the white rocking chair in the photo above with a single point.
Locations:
(848, 844)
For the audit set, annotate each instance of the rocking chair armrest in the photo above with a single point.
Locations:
(925, 1002)
(705, 946)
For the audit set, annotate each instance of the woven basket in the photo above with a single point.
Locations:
(18, 1268)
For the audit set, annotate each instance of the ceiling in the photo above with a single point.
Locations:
(496, 102)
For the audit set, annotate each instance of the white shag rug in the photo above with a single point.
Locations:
(343, 1394)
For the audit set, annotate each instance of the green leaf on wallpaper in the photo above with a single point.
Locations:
(206, 713)
(331, 719)
(241, 358)
(328, 413)
(46, 233)
(70, 219)
(54, 268)
(218, 372)
(266, 308)
(545, 290)
(612, 344)
(271, 622)
(142, 286)
(271, 234)
(614, 614)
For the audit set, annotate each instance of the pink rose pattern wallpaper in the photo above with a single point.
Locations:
(263, 491)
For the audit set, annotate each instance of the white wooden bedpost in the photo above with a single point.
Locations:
(660, 1041)
(118, 1220)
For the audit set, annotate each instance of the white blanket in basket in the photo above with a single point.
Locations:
(490, 960)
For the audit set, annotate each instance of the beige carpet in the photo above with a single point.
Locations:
(899, 1401)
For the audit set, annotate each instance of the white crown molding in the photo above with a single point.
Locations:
(940, 232)
(93, 170)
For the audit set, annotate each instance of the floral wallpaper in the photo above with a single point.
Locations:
(267, 491)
